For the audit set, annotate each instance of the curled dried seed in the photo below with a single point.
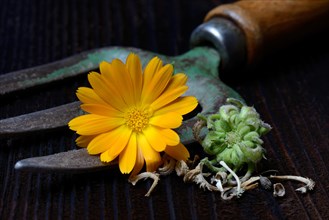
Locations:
(168, 166)
(250, 181)
(197, 129)
(200, 180)
(219, 184)
(194, 162)
(134, 179)
(181, 168)
(219, 178)
(228, 193)
(309, 183)
(251, 186)
(222, 176)
(265, 182)
(196, 175)
(278, 190)
(190, 175)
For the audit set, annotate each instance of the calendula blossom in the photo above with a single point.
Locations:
(132, 113)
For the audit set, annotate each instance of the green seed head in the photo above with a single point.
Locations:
(234, 134)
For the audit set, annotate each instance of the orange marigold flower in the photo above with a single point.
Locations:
(132, 113)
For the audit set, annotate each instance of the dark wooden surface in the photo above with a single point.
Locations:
(290, 90)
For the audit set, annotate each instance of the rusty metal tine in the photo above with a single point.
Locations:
(72, 66)
(51, 118)
(74, 161)
(200, 64)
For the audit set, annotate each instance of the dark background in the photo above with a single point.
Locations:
(288, 89)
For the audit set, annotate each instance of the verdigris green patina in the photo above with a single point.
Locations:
(200, 64)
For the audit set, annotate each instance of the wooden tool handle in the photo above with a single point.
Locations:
(271, 24)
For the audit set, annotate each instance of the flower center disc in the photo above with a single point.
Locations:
(137, 119)
(232, 138)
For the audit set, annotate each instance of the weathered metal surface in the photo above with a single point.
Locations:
(200, 64)
(40, 121)
(223, 34)
(69, 67)
(74, 161)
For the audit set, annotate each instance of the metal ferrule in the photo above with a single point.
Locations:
(227, 38)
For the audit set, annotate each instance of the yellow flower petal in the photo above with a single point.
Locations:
(151, 68)
(178, 152)
(75, 123)
(181, 105)
(88, 95)
(121, 79)
(104, 110)
(128, 156)
(139, 162)
(94, 124)
(154, 138)
(179, 79)
(117, 147)
(135, 69)
(121, 143)
(104, 68)
(168, 97)
(83, 141)
(105, 157)
(108, 93)
(106, 141)
(168, 120)
(170, 137)
(118, 81)
(102, 142)
(152, 158)
(155, 87)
